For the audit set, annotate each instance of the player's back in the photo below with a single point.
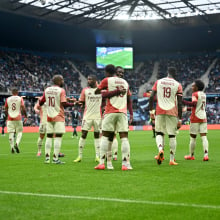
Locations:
(54, 96)
(167, 89)
(117, 103)
(14, 107)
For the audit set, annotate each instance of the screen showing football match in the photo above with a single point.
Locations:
(118, 56)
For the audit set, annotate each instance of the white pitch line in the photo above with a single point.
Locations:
(113, 200)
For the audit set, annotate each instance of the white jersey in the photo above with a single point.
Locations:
(92, 103)
(199, 111)
(14, 103)
(54, 96)
(115, 103)
(167, 90)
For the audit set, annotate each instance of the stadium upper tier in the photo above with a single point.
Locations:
(31, 72)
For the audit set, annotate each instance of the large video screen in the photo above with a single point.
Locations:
(118, 56)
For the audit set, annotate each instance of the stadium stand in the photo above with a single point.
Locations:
(31, 73)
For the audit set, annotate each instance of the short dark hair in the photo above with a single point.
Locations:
(118, 67)
(93, 77)
(172, 71)
(110, 68)
(200, 84)
(14, 90)
(56, 79)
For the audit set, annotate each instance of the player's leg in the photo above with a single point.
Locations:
(86, 126)
(49, 141)
(115, 148)
(205, 143)
(19, 130)
(122, 128)
(171, 126)
(11, 130)
(194, 127)
(160, 127)
(81, 145)
(3, 129)
(153, 127)
(108, 126)
(97, 127)
(105, 142)
(59, 130)
(42, 132)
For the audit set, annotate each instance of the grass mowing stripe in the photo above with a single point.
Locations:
(112, 200)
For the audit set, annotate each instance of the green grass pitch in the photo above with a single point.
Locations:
(123, 58)
(30, 189)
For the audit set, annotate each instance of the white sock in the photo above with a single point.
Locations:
(192, 146)
(18, 139)
(115, 147)
(81, 146)
(48, 146)
(125, 149)
(205, 145)
(57, 146)
(97, 146)
(172, 148)
(39, 144)
(11, 140)
(159, 141)
(104, 144)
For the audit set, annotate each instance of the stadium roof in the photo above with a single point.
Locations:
(83, 11)
(128, 9)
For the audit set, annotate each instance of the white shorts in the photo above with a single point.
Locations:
(166, 124)
(43, 128)
(115, 122)
(14, 126)
(196, 128)
(88, 123)
(57, 127)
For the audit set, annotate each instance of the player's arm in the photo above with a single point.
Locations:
(188, 103)
(42, 100)
(130, 108)
(80, 103)
(67, 104)
(179, 106)
(37, 107)
(101, 86)
(6, 109)
(151, 104)
(116, 92)
(23, 110)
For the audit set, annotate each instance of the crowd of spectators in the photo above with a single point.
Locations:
(33, 72)
(214, 79)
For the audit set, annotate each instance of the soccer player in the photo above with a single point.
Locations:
(152, 120)
(115, 118)
(168, 112)
(42, 111)
(92, 115)
(75, 118)
(120, 73)
(55, 98)
(14, 107)
(198, 120)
